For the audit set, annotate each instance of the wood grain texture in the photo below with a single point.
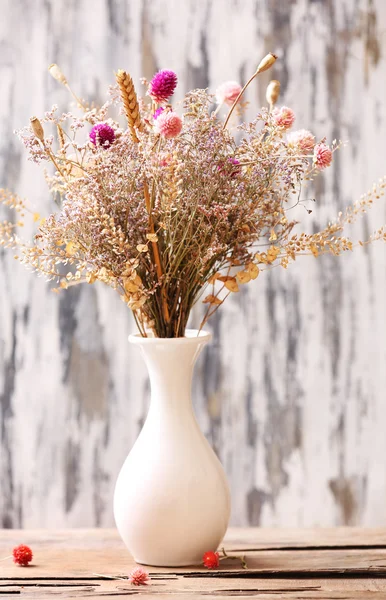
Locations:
(75, 564)
(292, 392)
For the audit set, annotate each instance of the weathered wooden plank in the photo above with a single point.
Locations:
(198, 588)
(291, 394)
(236, 538)
(82, 554)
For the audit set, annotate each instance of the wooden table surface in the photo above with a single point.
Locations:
(282, 563)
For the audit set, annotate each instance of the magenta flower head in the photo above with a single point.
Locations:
(158, 112)
(102, 135)
(162, 85)
(232, 167)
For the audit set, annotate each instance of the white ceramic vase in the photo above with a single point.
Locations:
(171, 501)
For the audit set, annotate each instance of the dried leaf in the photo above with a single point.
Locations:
(212, 300)
(136, 278)
(273, 253)
(243, 277)
(253, 270)
(135, 304)
(130, 286)
(91, 277)
(71, 248)
(142, 248)
(214, 278)
(152, 237)
(231, 285)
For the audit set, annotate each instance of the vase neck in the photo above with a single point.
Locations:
(170, 363)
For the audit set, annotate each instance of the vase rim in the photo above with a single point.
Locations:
(191, 336)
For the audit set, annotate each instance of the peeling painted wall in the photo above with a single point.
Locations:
(292, 391)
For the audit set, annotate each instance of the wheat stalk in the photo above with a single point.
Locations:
(130, 102)
(131, 106)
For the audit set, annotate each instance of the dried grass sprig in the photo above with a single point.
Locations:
(264, 65)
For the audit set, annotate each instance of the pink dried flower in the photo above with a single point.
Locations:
(102, 135)
(322, 156)
(283, 117)
(227, 92)
(168, 124)
(162, 85)
(139, 576)
(302, 140)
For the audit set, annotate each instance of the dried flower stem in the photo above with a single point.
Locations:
(57, 74)
(240, 558)
(265, 64)
(76, 98)
(52, 158)
(110, 577)
(131, 106)
(157, 258)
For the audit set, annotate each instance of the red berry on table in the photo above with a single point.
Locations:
(211, 560)
(22, 555)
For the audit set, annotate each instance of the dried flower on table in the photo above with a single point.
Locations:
(211, 560)
(139, 576)
(22, 555)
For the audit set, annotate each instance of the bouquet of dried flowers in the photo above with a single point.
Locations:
(170, 205)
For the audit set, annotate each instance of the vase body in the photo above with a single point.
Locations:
(171, 500)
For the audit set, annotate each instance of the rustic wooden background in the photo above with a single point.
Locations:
(292, 392)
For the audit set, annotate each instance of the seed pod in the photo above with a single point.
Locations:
(37, 128)
(266, 63)
(57, 74)
(273, 91)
